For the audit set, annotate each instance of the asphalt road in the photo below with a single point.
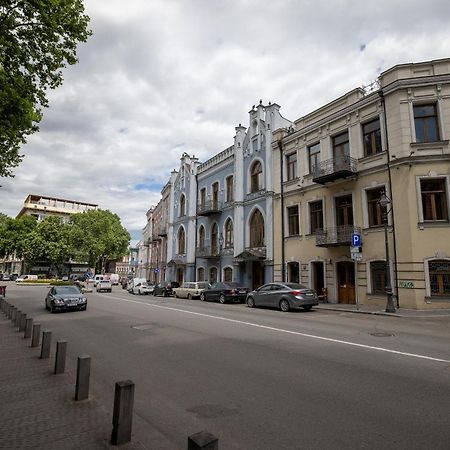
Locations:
(261, 379)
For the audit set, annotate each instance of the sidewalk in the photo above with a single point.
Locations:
(37, 408)
(377, 310)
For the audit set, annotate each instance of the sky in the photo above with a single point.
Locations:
(161, 77)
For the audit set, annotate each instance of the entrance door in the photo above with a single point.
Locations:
(318, 281)
(257, 274)
(346, 282)
(180, 275)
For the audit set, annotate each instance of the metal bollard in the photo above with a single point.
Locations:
(36, 334)
(123, 412)
(23, 322)
(46, 344)
(60, 360)
(83, 373)
(13, 314)
(17, 318)
(203, 441)
(28, 328)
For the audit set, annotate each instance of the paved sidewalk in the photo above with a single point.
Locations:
(37, 409)
(377, 310)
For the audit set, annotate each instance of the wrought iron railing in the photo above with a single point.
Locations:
(209, 207)
(341, 235)
(207, 252)
(343, 163)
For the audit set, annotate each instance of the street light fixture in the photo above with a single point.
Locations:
(384, 201)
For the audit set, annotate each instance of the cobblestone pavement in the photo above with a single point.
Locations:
(37, 408)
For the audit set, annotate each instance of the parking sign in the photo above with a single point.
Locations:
(356, 240)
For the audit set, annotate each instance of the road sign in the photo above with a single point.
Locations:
(356, 256)
(156, 269)
(356, 240)
(355, 249)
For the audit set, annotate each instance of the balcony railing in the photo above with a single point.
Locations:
(207, 252)
(209, 207)
(162, 231)
(336, 236)
(334, 169)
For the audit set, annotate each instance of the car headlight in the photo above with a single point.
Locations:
(82, 300)
(59, 301)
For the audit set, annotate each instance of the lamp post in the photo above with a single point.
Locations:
(384, 202)
(220, 258)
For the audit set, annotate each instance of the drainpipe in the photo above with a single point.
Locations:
(381, 95)
(195, 240)
(283, 270)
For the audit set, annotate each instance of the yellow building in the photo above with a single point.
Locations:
(336, 163)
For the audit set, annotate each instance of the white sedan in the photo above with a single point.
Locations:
(143, 289)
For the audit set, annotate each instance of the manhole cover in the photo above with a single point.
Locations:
(381, 334)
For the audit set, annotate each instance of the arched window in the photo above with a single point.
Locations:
(213, 275)
(181, 241)
(439, 271)
(200, 274)
(257, 229)
(201, 237)
(228, 274)
(256, 177)
(214, 239)
(182, 205)
(229, 233)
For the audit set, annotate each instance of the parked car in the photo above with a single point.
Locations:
(104, 286)
(285, 296)
(165, 288)
(6, 277)
(97, 279)
(133, 282)
(114, 278)
(143, 288)
(225, 292)
(65, 298)
(26, 277)
(14, 276)
(191, 290)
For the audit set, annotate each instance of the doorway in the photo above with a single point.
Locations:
(318, 279)
(180, 275)
(346, 282)
(257, 274)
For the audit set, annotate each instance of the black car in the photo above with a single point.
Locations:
(285, 296)
(225, 292)
(165, 288)
(65, 298)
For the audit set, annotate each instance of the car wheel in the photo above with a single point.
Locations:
(222, 299)
(189, 297)
(284, 305)
(110, 290)
(52, 309)
(175, 295)
(307, 307)
(202, 297)
(250, 302)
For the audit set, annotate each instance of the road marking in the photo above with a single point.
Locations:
(281, 330)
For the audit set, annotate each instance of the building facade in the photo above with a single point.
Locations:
(334, 167)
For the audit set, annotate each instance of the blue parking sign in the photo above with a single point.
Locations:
(356, 240)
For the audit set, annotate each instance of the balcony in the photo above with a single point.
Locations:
(334, 169)
(252, 254)
(162, 231)
(209, 207)
(336, 236)
(207, 252)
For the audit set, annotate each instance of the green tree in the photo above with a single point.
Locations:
(14, 234)
(49, 242)
(38, 38)
(98, 236)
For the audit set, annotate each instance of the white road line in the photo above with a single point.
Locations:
(281, 330)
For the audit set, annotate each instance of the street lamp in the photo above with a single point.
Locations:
(220, 259)
(384, 201)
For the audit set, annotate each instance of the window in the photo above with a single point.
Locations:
(256, 177)
(201, 237)
(439, 277)
(291, 166)
(293, 222)
(181, 241)
(294, 272)
(215, 195)
(202, 198)
(182, 205)
(228, 274)
(257, 229)
(434, 199)
(201, 274)
(229, 233)
(316, 216)
(214, 239)
(341, 147)
(378, 277)
(344, 210)
(372, 137)
(376, 212)
(314, 157)
(230, 194)
(425, 122)
(213, 275)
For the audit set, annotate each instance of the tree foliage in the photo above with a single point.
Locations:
(14, 234)
(38, 38)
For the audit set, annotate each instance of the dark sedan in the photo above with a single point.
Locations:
(285, 296)
(165, 288)
(225, 292)
(65, 298)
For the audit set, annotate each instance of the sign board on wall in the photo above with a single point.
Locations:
(406, 284)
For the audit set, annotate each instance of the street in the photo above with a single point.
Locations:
(259, 378)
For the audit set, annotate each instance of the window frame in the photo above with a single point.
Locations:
(291, 166)
(257, 230)
(424, 119)
(310, 215)
(294, 224)
(256, 184)
(229, 182)
(316, 156)
(445, 199)
(373, 138)
(428, 278)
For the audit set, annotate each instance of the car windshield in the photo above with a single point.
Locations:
(296, 286)
(63, 290)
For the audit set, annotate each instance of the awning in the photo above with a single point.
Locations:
(251, 254)
(176, 262)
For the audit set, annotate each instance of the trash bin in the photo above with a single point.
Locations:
(3, 291)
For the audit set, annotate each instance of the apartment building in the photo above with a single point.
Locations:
(334, 166)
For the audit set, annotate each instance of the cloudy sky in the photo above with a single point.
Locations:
(163, 77)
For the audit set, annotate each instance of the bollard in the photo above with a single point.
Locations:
(46, 344)
(28, 328)
(9, 311)
(123, 412)
(203, 441)
(36, 334)
(60, 360)
(83, 373)
(17, 318)
(23, 322)
(13, 314)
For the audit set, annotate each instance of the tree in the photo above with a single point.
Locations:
(49, 242)
(37, 39)
(14, 234)
(98, 236)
